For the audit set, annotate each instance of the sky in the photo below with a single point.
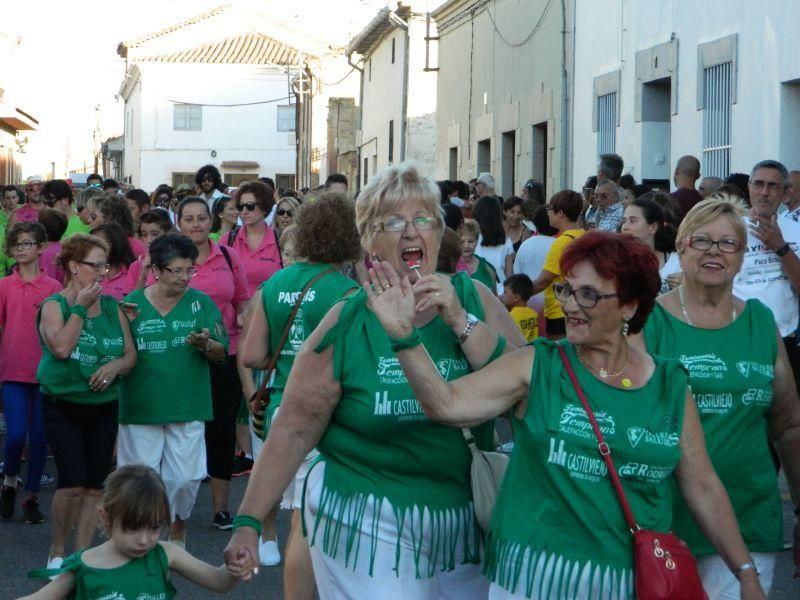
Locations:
(64, 69)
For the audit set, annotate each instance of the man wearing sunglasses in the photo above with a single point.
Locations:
(29, 212)
(771, 267)
(209, 182)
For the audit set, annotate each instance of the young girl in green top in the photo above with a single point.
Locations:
(132, 563)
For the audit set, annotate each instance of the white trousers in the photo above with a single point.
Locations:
(176, 451)
(336, 581)
(720, 583)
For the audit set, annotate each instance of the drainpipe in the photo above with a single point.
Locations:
(565, 101)
(360, 109)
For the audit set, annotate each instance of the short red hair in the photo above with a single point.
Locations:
(622, 258)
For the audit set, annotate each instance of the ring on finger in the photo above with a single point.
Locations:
(105, 380)
(437, 294)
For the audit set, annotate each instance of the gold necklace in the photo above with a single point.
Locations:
(602, 372)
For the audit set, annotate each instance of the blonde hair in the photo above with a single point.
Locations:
(392, 186)
(470, 227)
(710, 209)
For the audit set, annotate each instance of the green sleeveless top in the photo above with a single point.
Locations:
(278, 296)
(486, 274)
(101, 341)
(379, 445)
(731, 372)
(144, 578)
(557, 529)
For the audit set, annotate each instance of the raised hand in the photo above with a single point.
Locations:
(435, 290)
(89, 295)
(391, 299)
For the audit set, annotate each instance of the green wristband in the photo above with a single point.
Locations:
(413, 339)
(498, 350)
(246, 521)
(80, 310)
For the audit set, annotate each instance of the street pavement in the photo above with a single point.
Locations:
(24, 547)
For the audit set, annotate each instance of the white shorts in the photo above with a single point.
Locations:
(337, 581)
(176, 451)
(721, 584)
(293, 495)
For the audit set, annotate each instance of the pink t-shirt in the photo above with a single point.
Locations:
(20, 351)
(27, 214)
(135, 270)
(259, 264)
(47, 261)
(227, 289)
(120, 285)
(138, 246)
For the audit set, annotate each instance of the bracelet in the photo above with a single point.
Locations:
(80, 310)
(246, 521)
(410, 341)
(783, 250)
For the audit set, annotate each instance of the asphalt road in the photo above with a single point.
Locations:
(24, 547)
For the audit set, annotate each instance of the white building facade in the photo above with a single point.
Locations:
(214, 90)
(654, 81)
(503, 88)
(398, 90)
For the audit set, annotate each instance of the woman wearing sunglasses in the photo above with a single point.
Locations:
(178, 331)
(285, 213)
(557, 529)
(255, 242)
(742, 383)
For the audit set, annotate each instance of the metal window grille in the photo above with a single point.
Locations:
(607, 123)
(717, 82)
(187, 117)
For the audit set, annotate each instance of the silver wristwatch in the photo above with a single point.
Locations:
(748, 566)
(472, 321)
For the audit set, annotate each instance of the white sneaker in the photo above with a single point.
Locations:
(268, 553)
(54, 563)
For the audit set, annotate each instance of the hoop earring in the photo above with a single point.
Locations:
(625, 328)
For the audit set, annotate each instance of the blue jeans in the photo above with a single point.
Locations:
(22, 403)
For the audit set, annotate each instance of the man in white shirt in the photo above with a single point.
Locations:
(771, 268)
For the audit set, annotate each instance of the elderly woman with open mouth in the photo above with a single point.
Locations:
(388, 506)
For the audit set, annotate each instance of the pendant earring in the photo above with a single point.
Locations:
(625, 328)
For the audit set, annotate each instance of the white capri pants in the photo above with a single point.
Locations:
(720, 583)
(293, 494)
(336, 581)
(176, 451)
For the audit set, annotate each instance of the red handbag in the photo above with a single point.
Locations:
(664, 567)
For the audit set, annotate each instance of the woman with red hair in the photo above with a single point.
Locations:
(556, 525)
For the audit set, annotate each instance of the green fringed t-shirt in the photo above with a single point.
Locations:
(731, 371)
(379, 446)
(557, 530)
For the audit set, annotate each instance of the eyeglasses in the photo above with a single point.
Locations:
(181, 272)
(251, 206)
(771, 186)
(397, 224)
(283, 212)
(208, 178)
(701, 242)
(604, 196)
(100, 267)
(585, 297)
(25, 245)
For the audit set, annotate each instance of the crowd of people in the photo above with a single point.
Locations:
(350, 355)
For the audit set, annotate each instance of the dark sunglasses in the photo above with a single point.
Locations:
(283, 212)
(251, 206)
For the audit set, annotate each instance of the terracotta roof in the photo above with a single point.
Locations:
(122, 48)
(247, 48)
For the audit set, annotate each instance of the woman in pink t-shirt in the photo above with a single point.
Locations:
(221, 275)
(256, 243)
(20, 295)
(117, 283)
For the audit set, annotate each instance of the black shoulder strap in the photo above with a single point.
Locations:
(232, 235)
(227, 256)
(278, 244)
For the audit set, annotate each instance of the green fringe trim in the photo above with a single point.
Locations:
(512, 565)
(343, 525)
